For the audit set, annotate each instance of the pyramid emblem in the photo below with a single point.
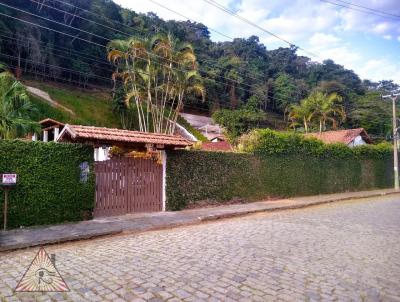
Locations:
(42, 276)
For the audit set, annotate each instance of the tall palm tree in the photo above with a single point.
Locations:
(157, 72)
(15, 108)
(326, 108)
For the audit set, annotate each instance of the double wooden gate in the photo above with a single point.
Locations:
(127, 185)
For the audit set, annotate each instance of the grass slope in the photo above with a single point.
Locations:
(91, 107)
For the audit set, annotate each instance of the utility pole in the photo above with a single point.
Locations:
(393, 97)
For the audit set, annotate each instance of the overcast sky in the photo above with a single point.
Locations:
(367, 43)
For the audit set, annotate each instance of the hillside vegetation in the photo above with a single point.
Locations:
(90, 107)
(234, 72)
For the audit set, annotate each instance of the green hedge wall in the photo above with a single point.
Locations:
(49, 188)
(197, 175)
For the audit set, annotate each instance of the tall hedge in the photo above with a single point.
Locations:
(193, 176)
(49, 189)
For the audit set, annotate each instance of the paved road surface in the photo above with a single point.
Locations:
(347, 251)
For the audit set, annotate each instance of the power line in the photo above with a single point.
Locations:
(362, 9)
(57, 31)
(79, 17)
(229, 79)
(50, 20)
(210, 62)
(60, 48)
(57, 67)
(56, 55)
(368, 8)
(91, 42)
(232, 13)
(46, 75)
(179, 14)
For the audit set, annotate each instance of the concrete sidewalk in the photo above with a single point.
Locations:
(22, 238)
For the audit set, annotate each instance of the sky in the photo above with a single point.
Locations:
(368, 43)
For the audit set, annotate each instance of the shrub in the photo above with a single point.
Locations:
(194, 176)
(269, 142)
(48, 183)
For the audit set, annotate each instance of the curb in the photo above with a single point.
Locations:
(289, 207)
(18, 246)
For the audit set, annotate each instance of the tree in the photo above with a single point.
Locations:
(157, 73)
(326, 108)
(372, 114)
(285, 92)
(15, 109)
(301, 114)
(237, 122)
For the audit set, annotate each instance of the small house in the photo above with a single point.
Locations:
(349, 137)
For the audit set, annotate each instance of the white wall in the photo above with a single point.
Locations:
(358, 141)
(101, 153)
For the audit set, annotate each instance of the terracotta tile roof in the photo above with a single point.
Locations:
(50, 122)
(341, 136)
(113, 135)
(217, 146)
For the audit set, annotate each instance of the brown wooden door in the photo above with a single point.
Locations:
(127, 185)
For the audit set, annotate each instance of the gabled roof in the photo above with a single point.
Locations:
(48, 122)
(217, 146)
(341, 136)
(100, 135)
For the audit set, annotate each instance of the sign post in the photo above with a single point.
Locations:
(8, 181)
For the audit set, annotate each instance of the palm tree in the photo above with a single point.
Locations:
(15, 108)
(326, 108)
(300, 114)
(157, 72)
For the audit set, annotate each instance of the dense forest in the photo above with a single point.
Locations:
(66, 41)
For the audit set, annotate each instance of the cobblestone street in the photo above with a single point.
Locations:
(345, 251)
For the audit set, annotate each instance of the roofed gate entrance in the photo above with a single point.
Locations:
(127, 185)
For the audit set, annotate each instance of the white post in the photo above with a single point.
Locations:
(164, 179)
(34, 137)
(56, 133)
(96, 154)
(45, 136)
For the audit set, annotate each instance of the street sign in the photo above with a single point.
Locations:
(9, 179)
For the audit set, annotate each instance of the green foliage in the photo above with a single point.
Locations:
(15, 108)
(45, 110)
(269, 142)
(373, 114)
(230, 66)
(167, 75)
(49, 189)
(194, 176)
(90, 107)
(318, 108)
(237, 122)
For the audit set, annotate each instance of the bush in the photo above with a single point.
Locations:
(269, 142)
(48, 187)
(194, 176)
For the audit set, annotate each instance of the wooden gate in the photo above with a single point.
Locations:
(127, 185)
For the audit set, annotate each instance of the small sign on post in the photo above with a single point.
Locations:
(9, 179)
(7, 182)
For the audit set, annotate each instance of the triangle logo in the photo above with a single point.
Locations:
(42, 276)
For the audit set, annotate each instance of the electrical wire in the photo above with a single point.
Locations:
(232, 13)
(364, 9)
(210, 62)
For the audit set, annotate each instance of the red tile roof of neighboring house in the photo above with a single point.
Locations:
(217, 146)
(112, 135)
(341, 136)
